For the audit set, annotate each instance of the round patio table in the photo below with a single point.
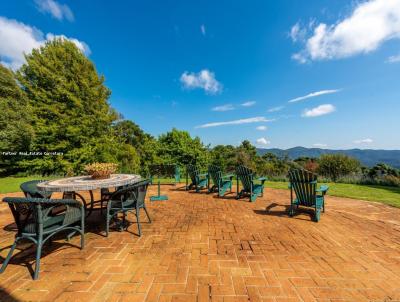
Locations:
(71, 185)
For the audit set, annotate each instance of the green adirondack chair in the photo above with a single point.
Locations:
(221, 183)
(304, 185)
(246, 177)
(199, 180)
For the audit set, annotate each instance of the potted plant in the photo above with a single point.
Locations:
(101, 170)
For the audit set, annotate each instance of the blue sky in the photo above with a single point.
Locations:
(227, 70)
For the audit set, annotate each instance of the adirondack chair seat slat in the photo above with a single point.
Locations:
(318, 202)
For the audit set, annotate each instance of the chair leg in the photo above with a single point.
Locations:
(123, 225)
(317, 214)
(138, 221)
(291, 210)
(147, 213)
(10, 253)
(107, 224)
(82, 233)
(38, 254)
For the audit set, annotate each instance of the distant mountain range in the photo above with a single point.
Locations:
(367, 157)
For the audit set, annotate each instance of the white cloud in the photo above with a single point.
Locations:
(276, 109)
(248, 104)
(258, 119)
(82, 46)
(370, 24)
(203, 29)
(57, 10)
(313, 95)
(263, 141)
(318, 111)
(320, 145)
(204, 79)
(18, 39)
(222, 108)
(363, 141)
(393, 59)
(297, 33)
(261, 128)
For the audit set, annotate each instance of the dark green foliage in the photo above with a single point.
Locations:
(70, 110)
(246, 154)
(145, 145)
(224, 156)
(178, 147)
(15, 130)
(337, 165)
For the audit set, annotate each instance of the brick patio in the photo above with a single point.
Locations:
(202, 248)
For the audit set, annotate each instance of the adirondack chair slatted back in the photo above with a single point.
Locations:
(215, 173)
(245, 175)
(304, 184)
(193, 172)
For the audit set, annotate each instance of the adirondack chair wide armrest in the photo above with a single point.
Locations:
(230, 176)
(262, 179)
(203, 175)
(323, 189)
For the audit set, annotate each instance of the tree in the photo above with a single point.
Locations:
(337, 165)
(246, 154)
(15, 130)
(145, 144)
(178, 147)
(274, 165)
(70, 110)
(223, 156)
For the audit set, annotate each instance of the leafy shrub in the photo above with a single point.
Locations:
(337, 165)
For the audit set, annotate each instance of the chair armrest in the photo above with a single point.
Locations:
(323, 189)
(42, 201)
(203, 175)
(230, 176)
(262, 179)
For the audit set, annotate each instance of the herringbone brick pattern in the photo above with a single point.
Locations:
(202, 248)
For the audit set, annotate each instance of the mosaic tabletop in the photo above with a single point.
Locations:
(86, 183)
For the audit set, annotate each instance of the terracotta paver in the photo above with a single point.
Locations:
(202, 248)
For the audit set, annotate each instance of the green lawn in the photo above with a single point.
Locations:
(387, 195)
(11, 184)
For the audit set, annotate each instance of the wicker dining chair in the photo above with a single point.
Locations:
(36, 221)
(127, 199)
(30, 189)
